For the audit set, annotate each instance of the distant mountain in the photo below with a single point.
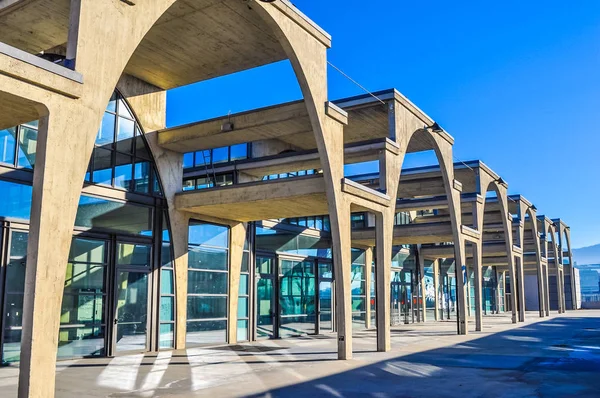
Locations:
(587, 255)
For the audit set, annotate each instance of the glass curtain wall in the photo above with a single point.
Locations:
(98, 289)
(208, 283)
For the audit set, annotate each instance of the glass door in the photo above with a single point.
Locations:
(266, 320)
(297, 298)
(325, 297)
(132, 274)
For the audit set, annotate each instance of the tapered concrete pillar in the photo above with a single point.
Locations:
(436, 288)
(368, 284)
(342, 263)
(541, 289)
(547, 290)
(520, 287)
(180, 231)
(384, 230)
(57, 181)
(477, 280)
(236, 254)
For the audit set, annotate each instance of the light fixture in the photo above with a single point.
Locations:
(533, 208)
(501, 181)
(435, 127)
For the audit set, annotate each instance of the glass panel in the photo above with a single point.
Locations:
(27, 147)
(167, 306)
(123, 171)
(166, 335)
(245, 259)
(132, 310)
(188, 160)
(88, 251)
(106, 134)
(166, 282)
(141, 148)
(208, 234)
(265, 308)
(204, 332)
(239, 151)
(125, 133)
(133, 254)
(242, 330)
(82, 277)
(16, 200)
(264, 265)
(82, 309)
(202, 282)
(81, 341)
(166, 256)
(102, 169)
(206, 307)
(220, 155)
(203, 157)
(8, 139)
(242, 307)
(243, 291)
(141, 176)
(113, 216)
(208, 258)
(189, 185)
(124, 109)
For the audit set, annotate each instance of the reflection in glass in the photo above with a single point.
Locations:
(106, 134)
(297, 298)
(7, 145)
(132, 309)
(265, 308)
(27, 147)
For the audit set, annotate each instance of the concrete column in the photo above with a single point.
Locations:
(384, 231)
(477, 280)
(180, 231)
(461, 287)
(61, 161)
(236, 254)
(436, 288)
(547, 289)
(342, 263)
(556, 272)
(520, 286)
(541, 288)
(368, 283)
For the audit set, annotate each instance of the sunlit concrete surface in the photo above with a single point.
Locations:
(556, 357)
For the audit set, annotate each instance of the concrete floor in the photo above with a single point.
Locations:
(556, 357)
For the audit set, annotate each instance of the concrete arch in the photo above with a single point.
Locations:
(442, 144)
(538, 256)
(54, 202)
(554, 249)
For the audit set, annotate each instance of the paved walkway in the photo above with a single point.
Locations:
(556, 357)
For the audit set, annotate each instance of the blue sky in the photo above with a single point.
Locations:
(517, 83)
